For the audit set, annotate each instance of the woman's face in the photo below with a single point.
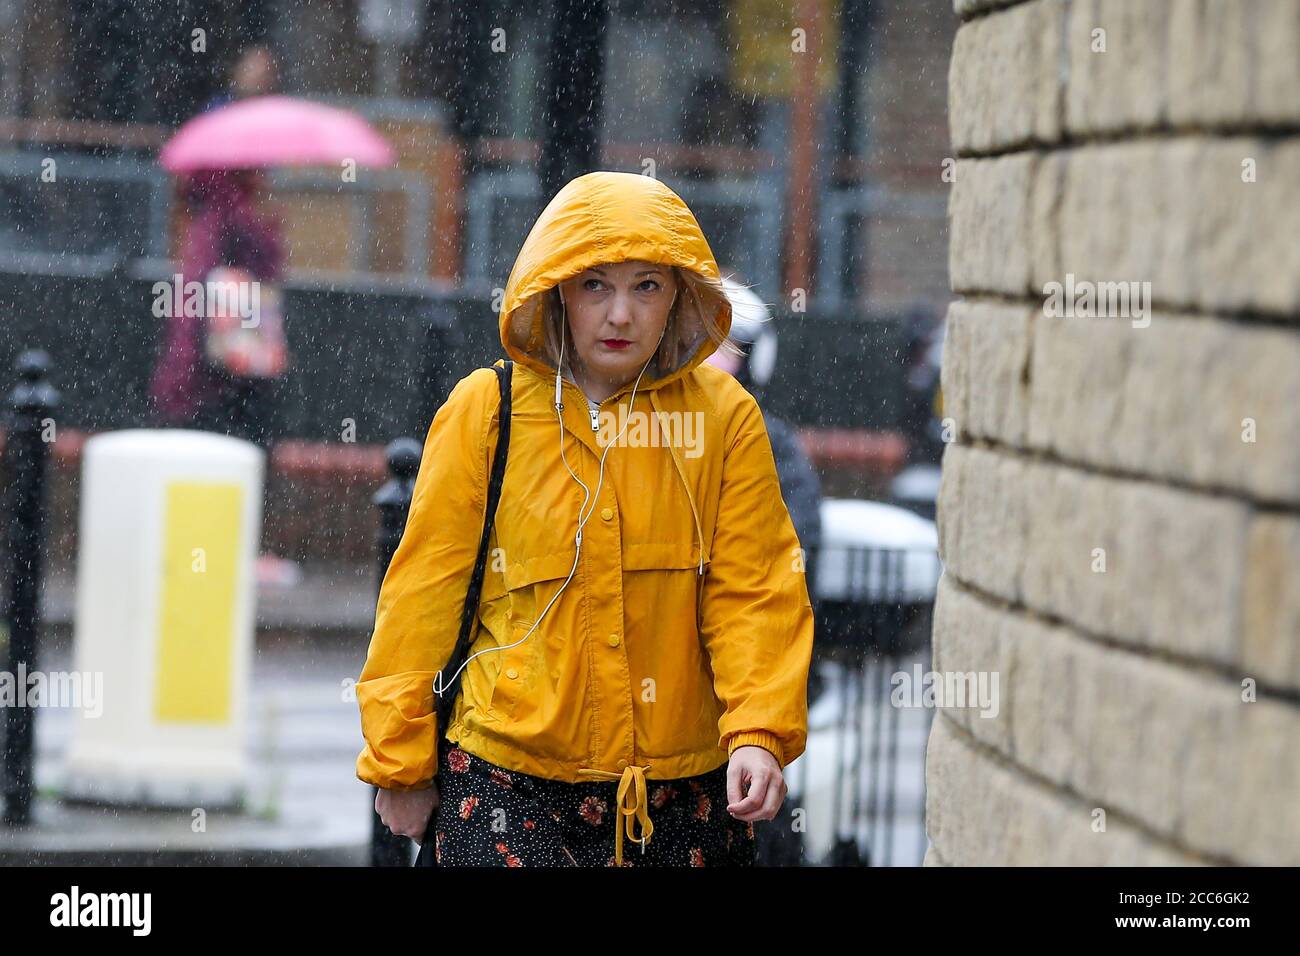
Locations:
(616, 314)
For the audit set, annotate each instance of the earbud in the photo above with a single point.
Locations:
(559, 405)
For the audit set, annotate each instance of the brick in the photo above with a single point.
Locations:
(1270, 626)
(1211, 64)
(1169, 399)
(1210, 82)
(1125, 86)
(989, 215)
(988, 368)
(965, 639)
(954, 373)
(1196, 575)
(1236, 63)
(982, 514)
(1122, 217)
(1076, 385)
(1275, 87)
(1268, 276)
(1240, 235)
(1045, 191)
(1238, 787)
(1003, 86)
(948, 504)
(1190, 384)
(1225, 377)
(1126, 214)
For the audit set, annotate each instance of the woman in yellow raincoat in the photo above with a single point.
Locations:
(644, 633)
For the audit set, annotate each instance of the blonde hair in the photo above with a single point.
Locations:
(693, 316)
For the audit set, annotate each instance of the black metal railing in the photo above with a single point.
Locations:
(873, 609)
(29, 428)
(393, 500)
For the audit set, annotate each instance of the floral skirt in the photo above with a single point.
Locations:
(490, 816)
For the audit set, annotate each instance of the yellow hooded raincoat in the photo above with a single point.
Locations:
(686, 630)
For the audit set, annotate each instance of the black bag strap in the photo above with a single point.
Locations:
(427, 857)
(469, 614)
(443, 705)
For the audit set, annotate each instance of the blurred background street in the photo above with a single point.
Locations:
(1087, 504)
(808, 137)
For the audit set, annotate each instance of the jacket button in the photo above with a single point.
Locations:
(512, 673)
(622, 764)
(613, 640)
(607, 514)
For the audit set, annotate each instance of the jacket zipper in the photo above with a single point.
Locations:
(593, 412)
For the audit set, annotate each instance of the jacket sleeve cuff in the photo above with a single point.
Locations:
(386, 775)
(757, 738)
(399, 724)
(366, 774)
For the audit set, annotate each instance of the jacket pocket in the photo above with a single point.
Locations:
(670, 556)
(530, 584)
(512, 674)
(535, 570)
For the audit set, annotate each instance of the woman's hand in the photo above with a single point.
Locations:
(407, 812)
(754, 774)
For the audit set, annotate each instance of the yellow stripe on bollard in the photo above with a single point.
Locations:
(202, 525)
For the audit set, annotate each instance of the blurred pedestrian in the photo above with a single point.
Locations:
(753, 363)
(254, 73)
(923, 330)
(642, 659)
(216, 370)
(229, 230)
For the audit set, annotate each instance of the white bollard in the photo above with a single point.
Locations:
(170, 524)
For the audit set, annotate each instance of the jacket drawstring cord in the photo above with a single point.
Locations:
(631, 783)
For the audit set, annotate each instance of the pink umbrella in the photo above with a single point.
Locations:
(274, 131)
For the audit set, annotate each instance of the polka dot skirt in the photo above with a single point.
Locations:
(489, 816)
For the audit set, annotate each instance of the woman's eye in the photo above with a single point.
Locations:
(649, 285)
(591, 285)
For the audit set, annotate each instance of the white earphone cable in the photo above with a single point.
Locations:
(584, 516)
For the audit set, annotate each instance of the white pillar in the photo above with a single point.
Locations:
(169, 530)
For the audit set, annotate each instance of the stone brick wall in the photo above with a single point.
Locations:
(1120, 510)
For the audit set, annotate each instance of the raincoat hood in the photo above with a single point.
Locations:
(606, 217)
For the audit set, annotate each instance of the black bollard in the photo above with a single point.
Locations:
(31, 402)
(393, 501)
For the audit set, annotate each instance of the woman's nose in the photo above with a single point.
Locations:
(620, 311)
